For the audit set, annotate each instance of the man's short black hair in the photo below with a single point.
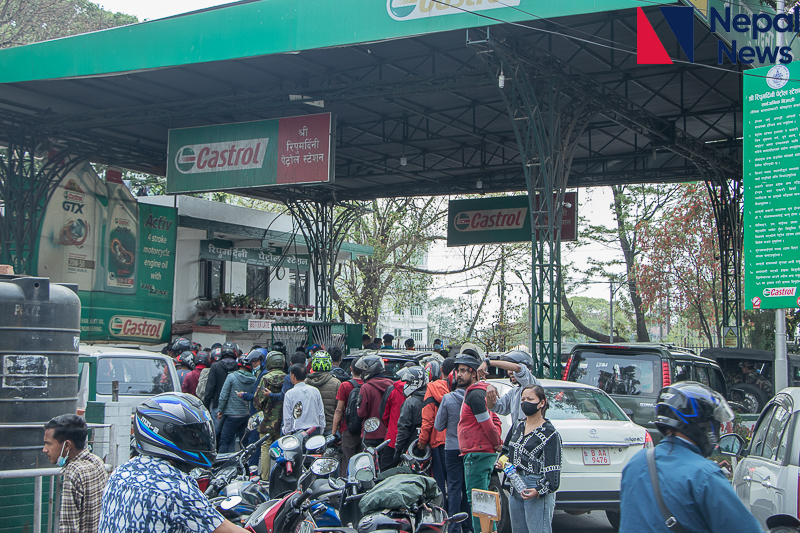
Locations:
(299, 372)
(388, 338)
(437, 341)
(69, 427)
(365, 338)
(409, 343)
(298, 358)
(355, 371)
(447, 366)
(376, 340)
(336, 354)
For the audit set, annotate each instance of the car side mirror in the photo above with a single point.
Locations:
(731, 444)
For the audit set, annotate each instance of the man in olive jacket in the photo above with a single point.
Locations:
(328, 386)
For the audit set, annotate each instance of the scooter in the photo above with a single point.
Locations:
(295, 512)
(289, 454)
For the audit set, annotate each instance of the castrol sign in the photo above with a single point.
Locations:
(502, 219)
(138, 327)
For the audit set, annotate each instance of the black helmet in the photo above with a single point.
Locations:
(278, 346)
(196, 347)
(182, 345)
(187, 359)
(694, 410)
(244, 362)
(215, 354)
(519, 357)
(256, 354)
(175, 426)
(468, 360)
(202, 358)
(371, 366)
(229, 349)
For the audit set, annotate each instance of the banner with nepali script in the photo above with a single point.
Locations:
(245, 155)
(221, 250)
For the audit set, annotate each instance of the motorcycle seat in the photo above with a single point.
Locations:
(320, 487)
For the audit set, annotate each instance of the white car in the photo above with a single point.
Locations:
(768, 477)
(598, 440)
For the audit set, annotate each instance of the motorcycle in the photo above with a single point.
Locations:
(289, 454)
(296, 511)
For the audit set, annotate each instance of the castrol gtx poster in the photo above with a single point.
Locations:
(119, 252)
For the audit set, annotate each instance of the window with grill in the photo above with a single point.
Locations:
(212, 279)
(257, 282)
(416, 310)
(416, 334)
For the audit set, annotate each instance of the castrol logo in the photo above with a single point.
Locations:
(222, 156)
(490, 219)
(779, 291)
(131, 326)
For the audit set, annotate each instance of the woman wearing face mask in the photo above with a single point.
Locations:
(533, 446)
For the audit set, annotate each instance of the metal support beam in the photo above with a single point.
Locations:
(547, 125)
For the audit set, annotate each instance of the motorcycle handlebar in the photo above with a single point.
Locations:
(382, 445)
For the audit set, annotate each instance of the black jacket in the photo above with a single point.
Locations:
(340, 374)
(409, 422)
(216, 379)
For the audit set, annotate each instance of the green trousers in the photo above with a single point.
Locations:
(478, 469)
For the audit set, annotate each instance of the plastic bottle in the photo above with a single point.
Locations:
(511, 473)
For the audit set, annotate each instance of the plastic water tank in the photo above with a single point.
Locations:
(40, 332)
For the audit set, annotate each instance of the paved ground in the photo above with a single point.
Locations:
(594, 522)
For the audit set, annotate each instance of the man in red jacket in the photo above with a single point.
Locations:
(201, 361)
(391, 412)
(479, 430)
(375, 384)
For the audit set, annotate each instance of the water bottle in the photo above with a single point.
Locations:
(511, 473)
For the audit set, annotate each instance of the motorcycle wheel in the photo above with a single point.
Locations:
(504, 525)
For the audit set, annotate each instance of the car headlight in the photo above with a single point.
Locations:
(289, 442)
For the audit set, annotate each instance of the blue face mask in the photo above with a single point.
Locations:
(62, 459)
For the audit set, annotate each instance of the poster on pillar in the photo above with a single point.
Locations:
(772, 187)
(500, 219)
(246, 155)
(119, 252)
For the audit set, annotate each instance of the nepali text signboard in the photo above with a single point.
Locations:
(772, 187)
(220, 250)
(119, 252)
(502, 219)
(284, 151)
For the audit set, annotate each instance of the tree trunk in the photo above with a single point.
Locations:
(642, 335)
(584, 329)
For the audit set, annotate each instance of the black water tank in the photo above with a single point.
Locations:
(40, 332)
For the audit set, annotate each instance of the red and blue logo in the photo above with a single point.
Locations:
(650, 50)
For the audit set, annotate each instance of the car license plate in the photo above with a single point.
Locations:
(596, 456)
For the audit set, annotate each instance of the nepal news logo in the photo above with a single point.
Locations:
(650, 50)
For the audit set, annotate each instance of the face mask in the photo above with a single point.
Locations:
(530, 408)
(62, 459)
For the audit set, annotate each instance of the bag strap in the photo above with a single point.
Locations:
(669, 519)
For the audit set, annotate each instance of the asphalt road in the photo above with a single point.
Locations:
(594, 522)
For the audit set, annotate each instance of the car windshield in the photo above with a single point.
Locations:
(136, 375)
(615, 374)
(581, 404)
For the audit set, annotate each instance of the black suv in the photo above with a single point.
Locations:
(393, 359)
(633, 374)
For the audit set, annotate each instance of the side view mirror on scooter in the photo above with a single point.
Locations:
(371, 424)
(456, 518)
(315, 443)
(324, 466)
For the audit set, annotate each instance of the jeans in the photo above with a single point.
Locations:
(456, 491)
(252, 437)
(478, 468)
(534, 515)
(438, 472)
(232, 430)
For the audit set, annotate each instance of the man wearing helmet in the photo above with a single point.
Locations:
(415, 384)
(184, 364)
(696, 495)
(270, 383)
(327, 385)
(217, 375)
(256, 357)
(439, 386)
(173, 433)
(232, 407)
(201, 362)
(518, 364)
(375, 384)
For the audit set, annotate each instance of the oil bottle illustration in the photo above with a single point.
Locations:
(122, 241)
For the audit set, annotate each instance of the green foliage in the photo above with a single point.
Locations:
(593, 313)
(29, 21)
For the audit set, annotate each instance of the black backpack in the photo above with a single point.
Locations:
(351, 418)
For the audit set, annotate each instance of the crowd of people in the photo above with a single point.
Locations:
(438, 410)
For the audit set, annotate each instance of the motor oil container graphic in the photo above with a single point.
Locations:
(71, 229)
(122, 242)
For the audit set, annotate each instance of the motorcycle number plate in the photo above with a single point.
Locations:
(596, 456)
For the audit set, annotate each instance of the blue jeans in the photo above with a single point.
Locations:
(252, 437)
(438, 472)
(456, 489)
(233, 429)
(534, 515)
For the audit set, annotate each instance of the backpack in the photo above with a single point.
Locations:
(201, 383)
(351, 418)
(385, 398)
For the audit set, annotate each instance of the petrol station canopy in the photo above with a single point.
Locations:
(416, 112)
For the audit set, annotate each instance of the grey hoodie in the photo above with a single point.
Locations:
(229, 403)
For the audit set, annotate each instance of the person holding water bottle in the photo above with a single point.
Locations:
(533, 465)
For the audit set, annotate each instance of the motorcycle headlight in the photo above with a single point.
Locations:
(289, 442)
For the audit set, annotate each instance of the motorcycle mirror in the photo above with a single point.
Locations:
(731, 444)
(315, 443)
(322, 467)
(230, 503)
(371, 424)
(364, 474)
(336, 484)
(456, 518)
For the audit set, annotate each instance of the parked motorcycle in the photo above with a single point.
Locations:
(289, 454)
(295, 512)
